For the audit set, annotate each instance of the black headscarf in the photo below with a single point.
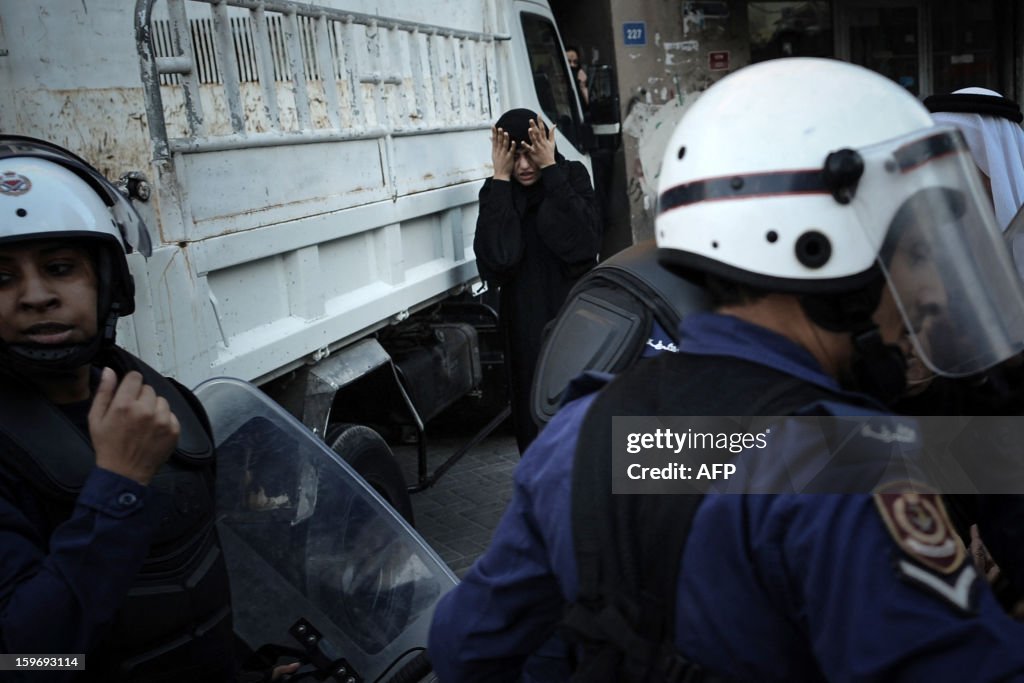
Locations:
(516, 122)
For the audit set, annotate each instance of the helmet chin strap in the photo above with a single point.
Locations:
(877, 369)
(55, 360)
(49, 360)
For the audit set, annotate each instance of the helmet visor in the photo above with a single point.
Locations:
(951, 279)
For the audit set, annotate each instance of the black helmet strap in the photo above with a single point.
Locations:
(877, 369)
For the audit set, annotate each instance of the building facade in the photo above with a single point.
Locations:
(665, 52)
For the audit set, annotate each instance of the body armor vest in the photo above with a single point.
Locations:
(628, 547)
(175, 623)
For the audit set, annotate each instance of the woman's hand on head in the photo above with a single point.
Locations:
(503, 154)
(541, 147)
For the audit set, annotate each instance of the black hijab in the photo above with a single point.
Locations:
(516, 122)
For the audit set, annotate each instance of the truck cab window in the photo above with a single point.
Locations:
(551, 77)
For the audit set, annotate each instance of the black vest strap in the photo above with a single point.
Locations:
(629, 547)
(59, 456)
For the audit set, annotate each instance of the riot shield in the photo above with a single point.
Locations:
(305, 537)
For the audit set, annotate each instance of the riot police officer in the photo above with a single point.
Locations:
(838, 230)
(106, 474)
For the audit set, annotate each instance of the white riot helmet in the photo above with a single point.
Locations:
(808, 176)
(48, 193)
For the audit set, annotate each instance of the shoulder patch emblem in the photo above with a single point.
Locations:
(918, 523)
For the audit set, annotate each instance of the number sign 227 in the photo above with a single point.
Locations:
(634, 33)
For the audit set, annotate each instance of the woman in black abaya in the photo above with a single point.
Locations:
(538, 230)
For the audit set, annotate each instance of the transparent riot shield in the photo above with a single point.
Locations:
(305, 538)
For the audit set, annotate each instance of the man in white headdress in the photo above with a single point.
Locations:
(991, 125)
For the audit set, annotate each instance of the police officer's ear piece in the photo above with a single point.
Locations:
(842, 172)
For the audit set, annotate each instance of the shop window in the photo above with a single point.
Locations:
(885, 37)
(963, 45)
(790, 29)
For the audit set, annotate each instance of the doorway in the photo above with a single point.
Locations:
(889, 37)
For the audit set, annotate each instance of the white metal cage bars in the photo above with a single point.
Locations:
(306, 73)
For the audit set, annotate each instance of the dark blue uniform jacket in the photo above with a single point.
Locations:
(59, 593)
(772, 587)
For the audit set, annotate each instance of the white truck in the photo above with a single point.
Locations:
(310, 175)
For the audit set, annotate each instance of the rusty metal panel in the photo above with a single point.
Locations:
(467, 158)
(241, 189)
(321, 60)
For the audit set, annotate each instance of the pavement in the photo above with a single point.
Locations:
(457, 515)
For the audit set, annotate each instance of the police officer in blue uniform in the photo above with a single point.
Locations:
(106, 468)
(839, 231)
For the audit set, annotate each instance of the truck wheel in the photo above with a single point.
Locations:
(370, 456)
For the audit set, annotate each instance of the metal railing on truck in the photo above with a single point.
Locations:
(343, 74)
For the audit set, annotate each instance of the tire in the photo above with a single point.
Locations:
(355, 572)
(371, 457)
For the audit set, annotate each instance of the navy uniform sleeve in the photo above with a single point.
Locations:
(59, 599)
(498, 243)
(511, 600)
(1000, 519)
(568, 221)
(887, 592)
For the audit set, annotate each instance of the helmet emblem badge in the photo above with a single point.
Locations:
(14, 184)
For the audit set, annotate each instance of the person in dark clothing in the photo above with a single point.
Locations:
(572, 55)
(537, 232)
(108, 550)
